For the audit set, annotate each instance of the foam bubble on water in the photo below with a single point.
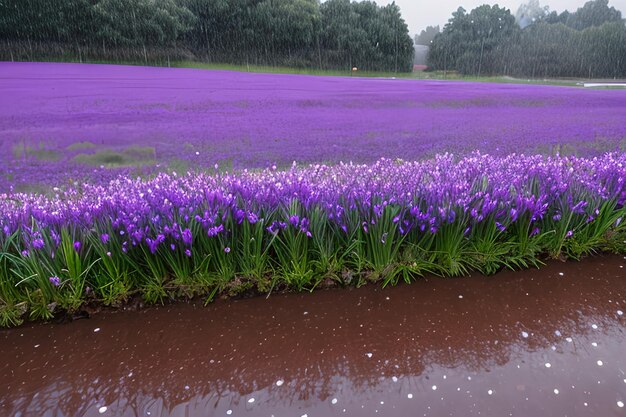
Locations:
(525, 335)
(409, 396)
(102, 409)
(96, 330)
(548, 365)
(600, 363)
(229, 412)
(460, 296)
(368, 354)
(594, 344)
(558, 333)
(279, 382)
(251, 400)
(561, 273)
(334, 401)
(594, 326)
(394, 378)
(620, 404)
(569, 339)
(553, 347)
(620, 313)
(490, 392)
(556, 391)
(434, 387)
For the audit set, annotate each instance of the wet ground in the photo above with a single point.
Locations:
(533, 343)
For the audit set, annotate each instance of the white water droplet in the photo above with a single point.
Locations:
(594, 326)
(96, 330)
(460, 296)
(102, 410)
(305, 415)
(186, 387)
(548, 365)
(490, 392)
(620, 404)
(229, 412)
(594, 344)
(585, 404)
(409, 396)
(553, 347)
(569, 339)
(334, 401)
(556, 391)
(251, 400)
(600, 363)
(279, 382)
(394, 378)
(561, 273)
(558, 333)
(434, 387)
(369, 355)
(524, 335)
(620, 313)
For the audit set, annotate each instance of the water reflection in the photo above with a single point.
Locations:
(434, 346)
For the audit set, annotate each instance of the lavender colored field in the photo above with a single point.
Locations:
(61, 122)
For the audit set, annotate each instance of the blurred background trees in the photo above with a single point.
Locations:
(589, 43)
(306, 33)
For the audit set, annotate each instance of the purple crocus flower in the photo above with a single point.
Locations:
(252, 218)
(226, 249)
(294, 220)
(55, 281)
(77, 246)
(187, 237)
(104, 238)
(38, 243)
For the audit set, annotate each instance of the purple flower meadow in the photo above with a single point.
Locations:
(230, 120)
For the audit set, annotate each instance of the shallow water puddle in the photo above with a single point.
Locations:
(532, 343)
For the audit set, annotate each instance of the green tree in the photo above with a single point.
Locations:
(142, 22)
(470, 42)
(593, 13)
(427, 35)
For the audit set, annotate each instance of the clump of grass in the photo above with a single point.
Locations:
(128, 157)
(77, 146)
(39, 152)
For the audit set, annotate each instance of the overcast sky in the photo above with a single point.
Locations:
(418, 13)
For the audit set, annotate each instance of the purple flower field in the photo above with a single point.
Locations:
(98, 231)
(61, 122)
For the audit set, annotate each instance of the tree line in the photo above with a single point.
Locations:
(301, 33)
(488, 40)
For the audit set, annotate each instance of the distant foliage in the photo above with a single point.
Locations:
(427, 35)
(333, 34)
(590, 42)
